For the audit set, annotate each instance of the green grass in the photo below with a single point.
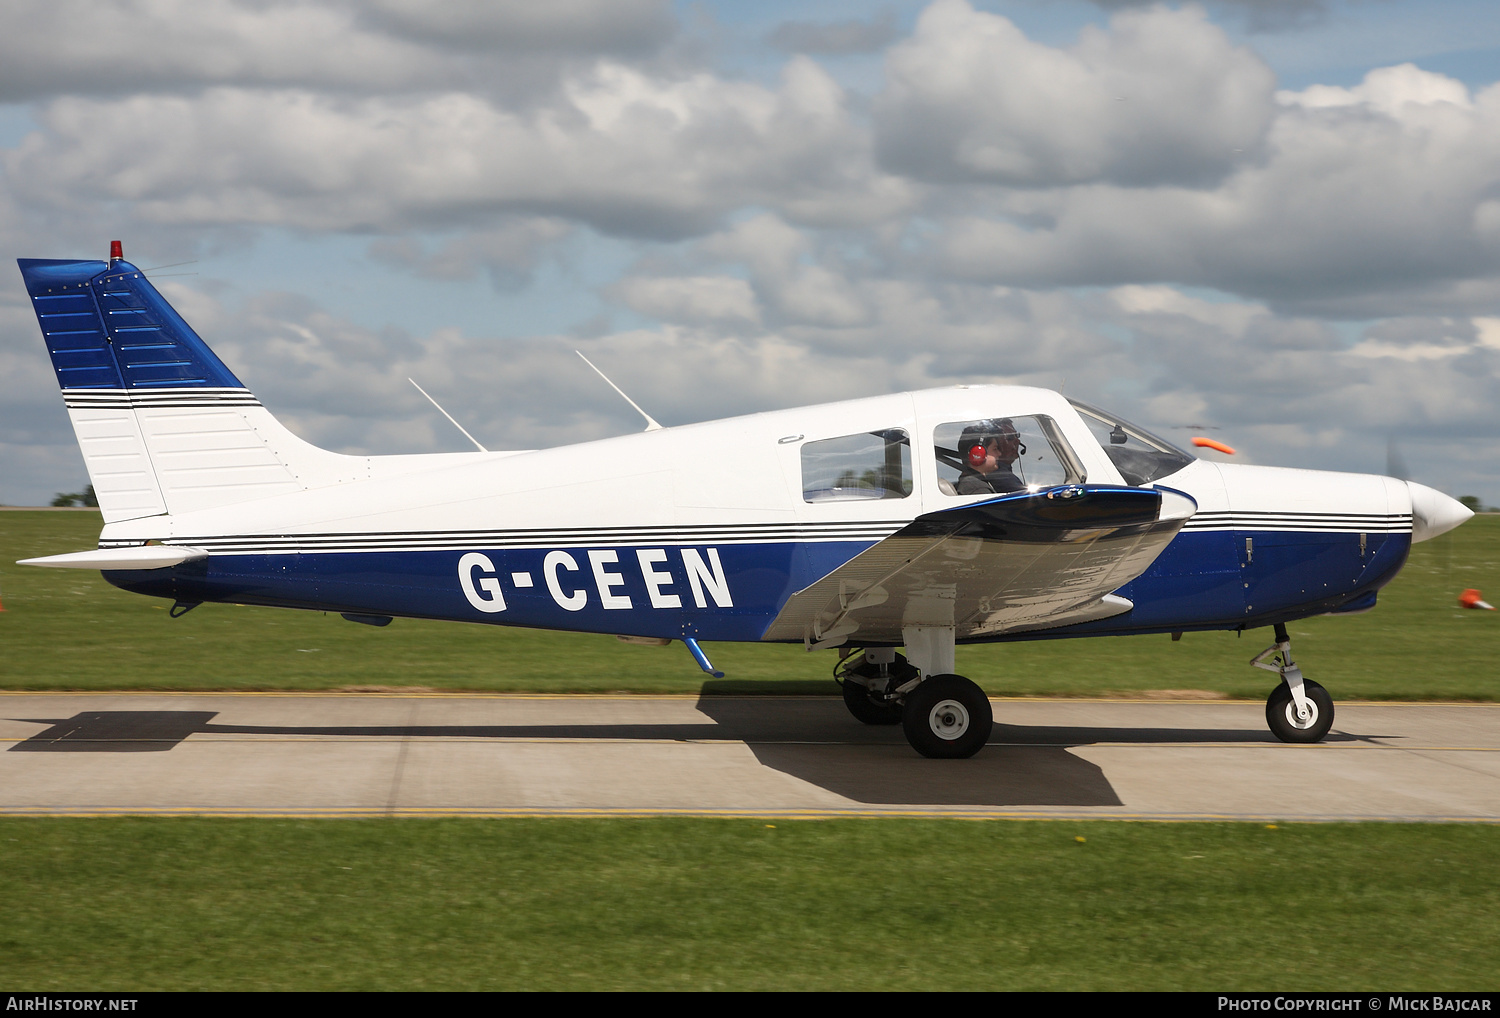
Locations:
(68, 629)
(184, 904)
(215, 904)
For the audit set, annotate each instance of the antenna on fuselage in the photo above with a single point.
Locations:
(651, 424)
(446, 414)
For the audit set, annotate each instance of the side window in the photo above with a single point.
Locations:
(870, 465)
(1003, 454)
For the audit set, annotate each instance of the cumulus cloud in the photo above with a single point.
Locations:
(691, 298)
(78, 46)
(589, 26)
(88, 46)
(1258, 15)
(1139, 216)
(1290, 390)
(506, 252)
(834, 36)
(1366, 197)
(1161, 96)
(797, 288)
(623, 152)
(344, 386)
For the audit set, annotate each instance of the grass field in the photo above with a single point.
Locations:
(144, 904)
(68, 629)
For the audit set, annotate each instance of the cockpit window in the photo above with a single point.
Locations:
(870, 465)
(1002, 454)
(1140, 456)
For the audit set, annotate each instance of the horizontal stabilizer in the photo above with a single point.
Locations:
(146, 556)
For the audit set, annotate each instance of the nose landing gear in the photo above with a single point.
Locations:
(1298, 710)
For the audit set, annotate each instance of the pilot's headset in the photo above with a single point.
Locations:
(974, 444)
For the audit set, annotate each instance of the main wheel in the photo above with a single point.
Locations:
(1281, 713)
(869, 708)
(947, 717)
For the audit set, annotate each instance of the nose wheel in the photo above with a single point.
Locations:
(1298, 710)
(1288, 725)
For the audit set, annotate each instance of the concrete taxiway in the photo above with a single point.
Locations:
(280, 754)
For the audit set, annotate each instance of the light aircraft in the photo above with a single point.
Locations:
(919, 521)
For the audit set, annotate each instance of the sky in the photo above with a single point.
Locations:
(1275, 223)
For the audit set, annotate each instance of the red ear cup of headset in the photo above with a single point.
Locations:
(977, 455)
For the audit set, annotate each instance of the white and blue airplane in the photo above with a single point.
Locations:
(915, 521)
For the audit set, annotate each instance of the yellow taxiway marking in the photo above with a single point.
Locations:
(624, 812)
(334, 694)
(241, 737)
(459, 695)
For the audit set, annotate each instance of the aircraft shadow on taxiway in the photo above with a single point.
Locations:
(812, 739)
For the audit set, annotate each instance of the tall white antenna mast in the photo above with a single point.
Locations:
(446, 414)
(651, 424)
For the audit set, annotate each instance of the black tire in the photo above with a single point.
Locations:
(947, 717)
(1281, 713)
(866, 707)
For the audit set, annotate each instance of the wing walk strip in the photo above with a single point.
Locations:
(565, 537)
(1306, 521)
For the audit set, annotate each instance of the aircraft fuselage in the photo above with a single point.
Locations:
(709, 533)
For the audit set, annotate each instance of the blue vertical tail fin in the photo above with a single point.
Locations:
(164, 425)
(107, 327)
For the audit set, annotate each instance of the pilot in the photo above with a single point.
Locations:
(989, 449)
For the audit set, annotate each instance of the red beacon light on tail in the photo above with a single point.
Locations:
(116, 250)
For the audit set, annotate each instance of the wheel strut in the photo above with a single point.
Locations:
(1298, 710)
(1278, 658)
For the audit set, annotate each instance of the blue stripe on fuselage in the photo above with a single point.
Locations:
(741, 587)
(1202, 580)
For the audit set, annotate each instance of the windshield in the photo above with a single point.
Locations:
(1140, 456)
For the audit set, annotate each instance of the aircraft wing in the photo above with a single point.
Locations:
(1017, 562)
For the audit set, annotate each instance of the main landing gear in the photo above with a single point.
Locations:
(943, 716)
(1298, 710)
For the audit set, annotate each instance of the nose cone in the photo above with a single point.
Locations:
(1433, 513)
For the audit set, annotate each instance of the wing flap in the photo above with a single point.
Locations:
(1030, 560)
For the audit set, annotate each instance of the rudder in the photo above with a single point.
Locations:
(164, 425)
